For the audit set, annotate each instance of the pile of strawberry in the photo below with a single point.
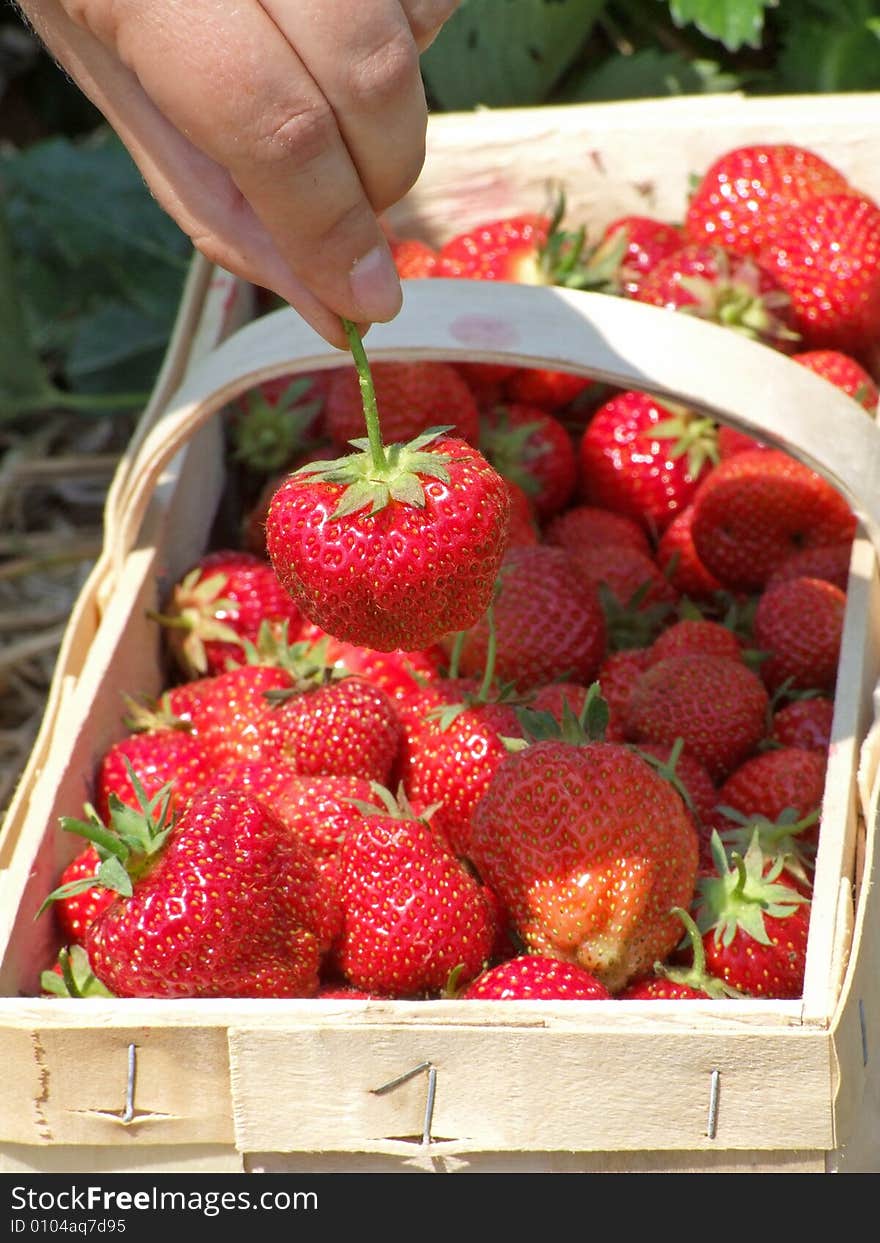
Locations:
(528, 697)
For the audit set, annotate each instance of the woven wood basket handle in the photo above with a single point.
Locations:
(702, 365)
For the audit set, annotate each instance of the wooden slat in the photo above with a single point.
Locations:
(432, 1162)
(614, 159)
(314, 1089)
(71, 1086)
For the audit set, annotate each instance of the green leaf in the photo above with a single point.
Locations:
(111, 335)
(647, 74)
(99, 265)
(830, 56)
(735, 23)
(503, 53)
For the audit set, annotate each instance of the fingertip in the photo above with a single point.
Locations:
(375, 285)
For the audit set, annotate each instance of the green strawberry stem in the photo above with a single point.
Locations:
(491, 653)
(368, 395)
(455, 654)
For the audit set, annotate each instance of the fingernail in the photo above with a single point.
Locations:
(375, 285)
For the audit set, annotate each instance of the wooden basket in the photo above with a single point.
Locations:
(304, 1085)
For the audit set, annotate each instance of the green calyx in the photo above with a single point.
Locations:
(579, 730)
(193, 621)
(632, 623)
(780, 839)
(737, 302)
(693, 436)
(668, 770)
(742, 892)
(397, 478)
(145, 715)
(305, 662)
(76, 979)
(126, 847)
(377, 474)
(396, 806)
(560, 259)
(510, 447)
(269, 434)
(695, 976)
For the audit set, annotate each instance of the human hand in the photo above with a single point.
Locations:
(273, 131)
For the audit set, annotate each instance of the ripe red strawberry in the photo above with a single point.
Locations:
(731, 440)
(636, 597)
(223, 711)
(77, 911)
(535, 977)
(630, 248)
(230, 904)
(804, 723)
(396, 673)
(717, 706)
(754, 926)
(680, 983)
(224, 599)
(677, 558)
(486, 380)
(589, 849)
(540, 386)
(692, 634)
(830, 562)
(617, 675)
(547, 624)
(527, 445)
(157, 757)
(346, 727)
(775, 796)
(319, 810)
(742, 197)
(509, 249)
(799, 623)
(412, 397)
(718, 285)
(769, 783)
(452, 743)
(641, 459)
(578, 525)
(755, 509)
(413, 258)
(844, 373)
(825, 254)
(523, 527)
(393, 565)
(412, 914)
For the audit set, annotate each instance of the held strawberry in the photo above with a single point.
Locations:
(391, 548)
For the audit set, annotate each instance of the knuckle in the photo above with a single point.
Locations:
(300, 133)
(382, 75)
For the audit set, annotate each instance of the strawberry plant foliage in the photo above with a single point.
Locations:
(732, 22)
